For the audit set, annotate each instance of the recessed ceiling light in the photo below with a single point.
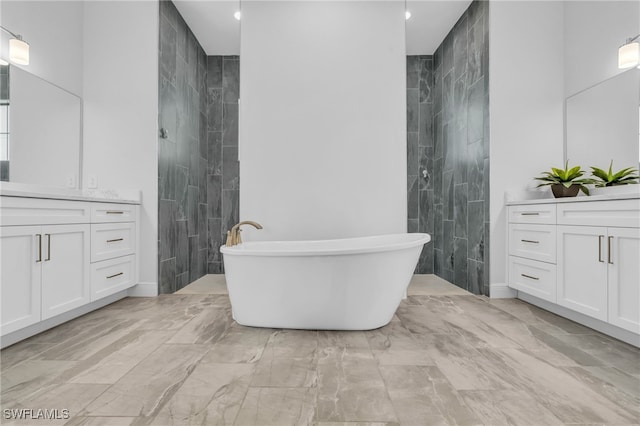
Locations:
(237, 15)
(407, 15)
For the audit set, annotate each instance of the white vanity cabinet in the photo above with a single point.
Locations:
(20, 249)
(65, 281)
(58, 262)
(113, 247)
(581, 255)
(582, 272)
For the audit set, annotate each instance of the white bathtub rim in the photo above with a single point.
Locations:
(269, 248)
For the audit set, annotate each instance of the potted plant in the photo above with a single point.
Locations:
(565, 182)
(625, 176)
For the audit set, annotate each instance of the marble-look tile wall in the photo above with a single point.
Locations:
(420, 187)
(453, 163)
(197, 153)
(182, 154)
(4, 136)
(223, 175)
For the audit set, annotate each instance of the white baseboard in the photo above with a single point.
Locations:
(601, 326)
(148, 289)
(502, 291)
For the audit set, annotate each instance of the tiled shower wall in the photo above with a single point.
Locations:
(223, 179)
(420, 153)
(456, 166)
(197, 122)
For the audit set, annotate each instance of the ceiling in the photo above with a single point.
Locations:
(218, 31)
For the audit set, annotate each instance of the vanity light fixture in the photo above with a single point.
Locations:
(629, 53)
(18, 48)
(237, 15)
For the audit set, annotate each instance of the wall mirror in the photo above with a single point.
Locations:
(41, 131)
(602, 123)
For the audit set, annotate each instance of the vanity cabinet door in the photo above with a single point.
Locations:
(20, 276)
(582, 270)
(65, 268)
(624, 277)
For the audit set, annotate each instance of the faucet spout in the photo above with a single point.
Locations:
(233, 236)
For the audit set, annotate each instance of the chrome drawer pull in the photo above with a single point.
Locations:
(530, 277)
(609, 250)
(600, 237)
(530, 214)
(114, 212)
(48, 247)
(530, 241)
(115, 275)
(39, 248)
(116, 240)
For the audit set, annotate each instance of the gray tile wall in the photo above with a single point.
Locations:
(453, 162)
(197, 164)
(4, 98)
(223, 177)
(420, 147)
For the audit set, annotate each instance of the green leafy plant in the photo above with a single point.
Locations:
(625, 176)
(566, 177)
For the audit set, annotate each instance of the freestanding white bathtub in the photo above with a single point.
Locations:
(348, 284)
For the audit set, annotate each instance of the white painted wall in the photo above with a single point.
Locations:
(53, 30)
(323, 119)
(526, 106)
(593, 32)
(121, 108)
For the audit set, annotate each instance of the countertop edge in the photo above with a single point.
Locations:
(579, 199)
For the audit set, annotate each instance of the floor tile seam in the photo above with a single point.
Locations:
(567, 370)
(174, 388)
(601, 358)
(128, 370)
(541, 403)
(386, 392)
(139, 323)
(3, 369)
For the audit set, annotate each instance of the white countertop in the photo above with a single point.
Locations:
(603, 196)
(11, 189)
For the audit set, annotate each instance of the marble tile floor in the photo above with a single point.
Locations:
(421, 285)
(444, 359)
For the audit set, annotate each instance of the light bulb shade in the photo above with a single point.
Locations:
(629, 55)
(19, 51)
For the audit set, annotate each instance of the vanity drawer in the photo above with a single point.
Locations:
(532, 277)
(112, 276)
(109, 240)
(533, 213)
(622, 213)
(537, 242)
(41, 211)
(111, 212)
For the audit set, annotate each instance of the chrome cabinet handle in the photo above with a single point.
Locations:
(530, 214)
(600, 237)
(609, 250)
(48, 247)
(115, 275)
(39, 248)
(530, 241)
(116, 240)
(530, 277)
(114, 212)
